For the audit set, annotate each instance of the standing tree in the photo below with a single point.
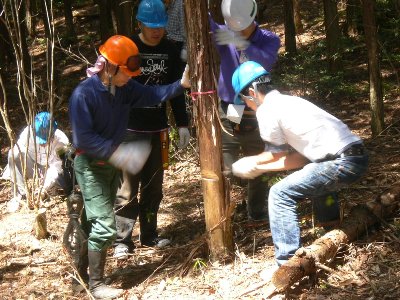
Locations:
(106, 24)
(375, 82)
(30, 13)
(69, 19)
(297, 17)
(123, 10)
(290, 30)
(332, 30)
(350, 26)
(216, 201)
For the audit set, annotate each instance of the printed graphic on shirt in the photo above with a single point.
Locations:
(154, 66)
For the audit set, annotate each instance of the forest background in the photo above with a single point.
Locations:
(326, 57)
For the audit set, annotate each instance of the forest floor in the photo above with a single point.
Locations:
(368, 268)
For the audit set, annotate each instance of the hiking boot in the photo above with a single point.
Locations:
(256, 223)
(157, 242)
(121, 252)
(98, 289)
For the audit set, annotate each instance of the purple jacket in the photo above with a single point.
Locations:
(263, 49)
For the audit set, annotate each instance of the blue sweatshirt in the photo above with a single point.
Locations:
(263, 48)
(99, 119)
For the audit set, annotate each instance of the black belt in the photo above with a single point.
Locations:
(352, 150)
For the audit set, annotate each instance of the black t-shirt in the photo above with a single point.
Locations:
(160, 65)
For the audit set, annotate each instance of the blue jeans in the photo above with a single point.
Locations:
(314, 181)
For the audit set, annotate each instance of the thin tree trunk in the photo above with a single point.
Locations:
(106, 24)
(124, 16)
(205, 103)
(375, 81)
(331, 21)
(69, 19)
(290, 30)
(31, 11)
(297, 17)
(350, 25)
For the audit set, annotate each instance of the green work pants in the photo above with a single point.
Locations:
(98, 182)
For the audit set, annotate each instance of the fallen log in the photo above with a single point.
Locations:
(307, 259)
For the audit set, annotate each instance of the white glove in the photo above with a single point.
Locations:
(246, 167)
(225, 37)
(131, 156)
(184, 137)
(184, 55)
(185, 81)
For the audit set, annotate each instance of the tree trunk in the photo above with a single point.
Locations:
(375, 82)
(290, 30)
(331, 22)
(31, 11)
(45, 8)
(69, 19)
(205, 111)
(297, 17)
(106, 25)
(350, 26)
(215, 10)
(306, 259)
(124, 16)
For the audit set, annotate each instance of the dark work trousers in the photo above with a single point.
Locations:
(246, 139)
(128, 205)
(98, 181)
(327, 208)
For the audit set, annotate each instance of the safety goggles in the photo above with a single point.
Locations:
(133, 63)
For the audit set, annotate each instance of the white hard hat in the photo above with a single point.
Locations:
(239, 14)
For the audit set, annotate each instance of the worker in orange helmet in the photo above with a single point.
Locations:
(99, 109)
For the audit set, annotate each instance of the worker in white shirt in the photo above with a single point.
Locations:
(39, 144)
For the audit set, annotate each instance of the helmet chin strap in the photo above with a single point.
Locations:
(110, 87)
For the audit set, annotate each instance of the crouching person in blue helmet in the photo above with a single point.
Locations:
(99, 111)
(40, 147)
(298, 136)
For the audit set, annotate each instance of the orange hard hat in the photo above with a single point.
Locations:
(123, 52)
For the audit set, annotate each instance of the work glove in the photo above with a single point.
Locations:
(132, 156)
(185, 81)
(184, 54)
(184, 137)
(246, 168)
(226, 36)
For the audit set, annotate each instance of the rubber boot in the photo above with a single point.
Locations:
(98, 289)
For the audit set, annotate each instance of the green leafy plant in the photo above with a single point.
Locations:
(199, 264)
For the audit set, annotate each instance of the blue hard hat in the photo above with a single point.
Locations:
(245, 74)
(152, 13)
(43, 122)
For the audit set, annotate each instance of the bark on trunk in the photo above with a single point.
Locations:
(205, 111)
(290, 30)
(375, 81)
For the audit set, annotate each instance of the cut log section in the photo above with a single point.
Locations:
(306, 259)
(40, 225)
